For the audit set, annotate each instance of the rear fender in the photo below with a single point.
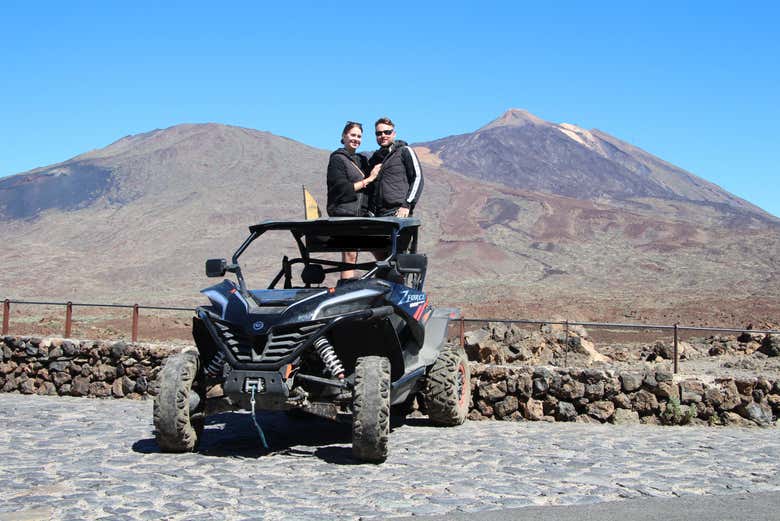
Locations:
(436, 334)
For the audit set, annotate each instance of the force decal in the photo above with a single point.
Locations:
(413, 299)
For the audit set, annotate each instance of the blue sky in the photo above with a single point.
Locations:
(695, 83)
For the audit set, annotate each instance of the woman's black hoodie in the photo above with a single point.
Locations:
(344, 170)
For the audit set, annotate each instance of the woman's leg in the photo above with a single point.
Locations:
(349, 257)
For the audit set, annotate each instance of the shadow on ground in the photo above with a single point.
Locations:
(232, 434)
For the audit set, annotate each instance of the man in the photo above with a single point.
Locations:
(400, 179)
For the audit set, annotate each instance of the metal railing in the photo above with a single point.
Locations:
(675, 328)
(69, 305)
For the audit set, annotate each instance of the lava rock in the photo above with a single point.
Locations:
(770, 346)
(116, 389)
(43, 374)
(11, 384)
(625, 417)
(566, 412)
(593, 376)
(506, 407)
(27, 386)
(572, 389)
(760, 413)
(485, 408)
(47, 389)
(622, 401)
(631, 381)
(731, 396)
(141, 385)
(117, 349)
(745, 385)
(100, 389)
(540, 387)
(105, 372)
(645, 402)
(493, 391)
(128, 385)
(59, 366)
(59, 379)
(80, 386)
(691, 391)
(601, 410)
(533, 410)
(594, 391)
(713, 396)
(69, 348)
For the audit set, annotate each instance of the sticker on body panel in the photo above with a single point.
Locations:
(410, 300)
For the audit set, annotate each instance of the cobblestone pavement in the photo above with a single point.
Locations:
(78, 458)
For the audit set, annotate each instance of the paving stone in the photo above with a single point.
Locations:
(90, 458)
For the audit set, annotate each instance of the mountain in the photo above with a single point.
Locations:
(521, 218)
(522, 151)
(216, 162)
(161, 203)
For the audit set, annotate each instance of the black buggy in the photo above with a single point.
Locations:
(355, 350)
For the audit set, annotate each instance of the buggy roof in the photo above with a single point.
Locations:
(347, 233)
(341, 225)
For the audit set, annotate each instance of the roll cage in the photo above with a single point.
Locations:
(393, 240)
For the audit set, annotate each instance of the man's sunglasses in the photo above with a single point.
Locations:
(385, 132)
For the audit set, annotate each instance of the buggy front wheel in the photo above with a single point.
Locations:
(178, 408)
(371, 409)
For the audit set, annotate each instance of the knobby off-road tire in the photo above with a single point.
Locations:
(448, 388)
(176, 429)
(371, 409)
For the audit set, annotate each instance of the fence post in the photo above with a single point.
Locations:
(134, 335)
(68, 318)
(6, 315)
(676, 352)
(462, 333)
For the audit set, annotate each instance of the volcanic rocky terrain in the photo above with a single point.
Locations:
(521, 218)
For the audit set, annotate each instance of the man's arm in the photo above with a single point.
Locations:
(413, 176)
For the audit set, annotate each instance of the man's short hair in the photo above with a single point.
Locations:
(384, 121)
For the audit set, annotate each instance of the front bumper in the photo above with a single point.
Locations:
(285, 342)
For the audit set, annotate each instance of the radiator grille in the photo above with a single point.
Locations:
(269, 348)
(241, 345)
(283, 341)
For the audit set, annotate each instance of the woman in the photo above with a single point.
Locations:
(349, 183)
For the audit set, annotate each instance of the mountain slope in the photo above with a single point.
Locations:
(134, 222)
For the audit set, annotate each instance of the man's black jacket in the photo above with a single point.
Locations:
(400, 179)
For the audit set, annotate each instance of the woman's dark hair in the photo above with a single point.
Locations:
(348, 127)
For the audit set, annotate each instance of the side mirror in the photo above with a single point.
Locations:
(411, 262)
(216, 267)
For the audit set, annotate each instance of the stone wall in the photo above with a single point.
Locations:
(602, 395)
(55, 366)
